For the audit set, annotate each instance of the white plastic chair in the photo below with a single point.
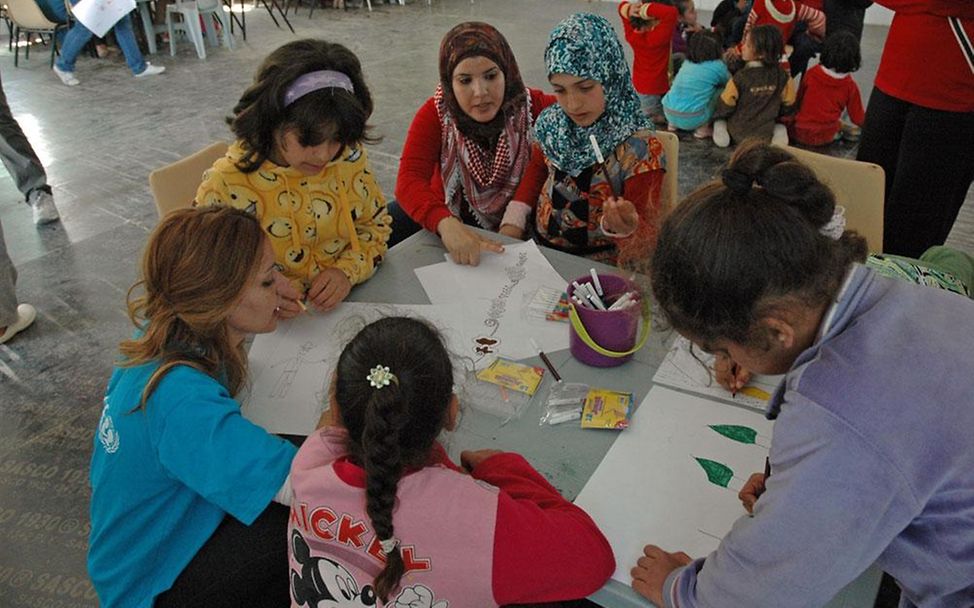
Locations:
(188, 22)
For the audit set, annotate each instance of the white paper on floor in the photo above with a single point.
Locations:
(291, 368)
(681, 370)
(671, 479)
(496, 297)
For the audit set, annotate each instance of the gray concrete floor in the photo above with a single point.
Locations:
(99, 141)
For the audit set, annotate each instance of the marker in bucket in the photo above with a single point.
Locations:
(623, 302)
(594, 297)
(581, 303)
(595, 281)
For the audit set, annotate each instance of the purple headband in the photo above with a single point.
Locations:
(314, 81)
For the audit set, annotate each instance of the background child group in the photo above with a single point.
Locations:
(760, 99)
(209, 509)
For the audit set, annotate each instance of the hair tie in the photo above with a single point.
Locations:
(315, 81)
(380, 376)
(389, 545)
(836, 224)
(736, 181)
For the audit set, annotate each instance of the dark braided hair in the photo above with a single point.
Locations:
(326, 114)
(392, 428)
(741, 246)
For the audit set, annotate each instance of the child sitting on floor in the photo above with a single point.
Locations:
(693, 97)
(381, 516)
(686, 27)
(826, 91)
(757, 95)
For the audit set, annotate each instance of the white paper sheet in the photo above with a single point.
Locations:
(99, 16)
(495, 296)
(681, 370)
(291, 368)
(650, 489)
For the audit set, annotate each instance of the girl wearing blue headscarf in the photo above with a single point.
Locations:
(605, 211)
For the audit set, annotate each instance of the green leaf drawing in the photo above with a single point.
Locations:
(736, 432)
(718, 473)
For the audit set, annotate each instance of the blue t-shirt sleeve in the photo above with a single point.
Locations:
(204, 442)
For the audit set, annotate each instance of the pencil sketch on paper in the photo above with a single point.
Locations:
(693, 370)
(495, 298)
(291, 367)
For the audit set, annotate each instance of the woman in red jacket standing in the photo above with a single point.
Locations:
(468, 145)
(920, 121)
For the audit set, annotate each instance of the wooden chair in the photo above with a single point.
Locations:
(671, 149)
(28, 19)
(174, 186)
(858, 186)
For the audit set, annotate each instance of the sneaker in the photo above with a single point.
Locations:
(780, 137)
(67, 78)
(721, 136)
(42, 204)
(25, 316)
(151, 70)
(671, 127)
(704, 132)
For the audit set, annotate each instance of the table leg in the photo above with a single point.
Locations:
(148, 27)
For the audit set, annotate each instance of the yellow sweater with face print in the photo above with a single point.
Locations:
(336, 218)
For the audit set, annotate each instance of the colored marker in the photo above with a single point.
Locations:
(547, 362)
(595, 280)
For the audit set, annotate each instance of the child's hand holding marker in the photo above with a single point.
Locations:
(754, 487)
(730, 374)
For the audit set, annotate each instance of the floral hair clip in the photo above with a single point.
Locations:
(380, 376)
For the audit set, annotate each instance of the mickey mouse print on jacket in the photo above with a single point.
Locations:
(466, 539)
(336, 218)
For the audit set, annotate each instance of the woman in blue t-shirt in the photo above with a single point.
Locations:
(182, 484)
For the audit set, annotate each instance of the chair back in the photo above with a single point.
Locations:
(671, 150)
(28, 16)
(174, 186)
(858, 186)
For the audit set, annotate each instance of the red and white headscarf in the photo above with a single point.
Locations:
(482, 162)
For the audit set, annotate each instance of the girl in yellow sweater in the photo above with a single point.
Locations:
(299, 165)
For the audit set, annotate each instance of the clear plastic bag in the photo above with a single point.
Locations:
(564, 402)
(492, 399)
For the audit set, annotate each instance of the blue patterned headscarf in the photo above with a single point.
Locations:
(585, 45)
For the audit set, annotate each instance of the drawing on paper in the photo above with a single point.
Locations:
(693, 370)
(718, 473)
(292, 365)
(740, 434)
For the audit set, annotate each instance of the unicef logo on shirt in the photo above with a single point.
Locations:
(107, 434)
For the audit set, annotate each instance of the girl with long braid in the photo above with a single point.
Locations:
(381, 516)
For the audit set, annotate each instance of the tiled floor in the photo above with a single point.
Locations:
(99, 141)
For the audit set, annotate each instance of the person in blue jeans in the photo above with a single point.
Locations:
(79, 35)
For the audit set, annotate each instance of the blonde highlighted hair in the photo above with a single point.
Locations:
(194, 270)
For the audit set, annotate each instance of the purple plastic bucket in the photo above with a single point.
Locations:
(614, 330)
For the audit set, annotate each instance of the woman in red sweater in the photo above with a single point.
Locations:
(468, 144)
(920, 121)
